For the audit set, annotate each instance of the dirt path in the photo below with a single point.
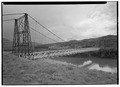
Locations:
(44, 71)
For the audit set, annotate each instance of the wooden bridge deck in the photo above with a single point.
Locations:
(58, 53)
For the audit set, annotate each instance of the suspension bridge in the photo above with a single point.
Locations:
(22, 42)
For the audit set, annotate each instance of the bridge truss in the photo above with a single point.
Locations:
(22, 45)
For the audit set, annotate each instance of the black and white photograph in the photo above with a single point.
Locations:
(59, 43)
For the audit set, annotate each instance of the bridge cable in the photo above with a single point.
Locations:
(8, 20)
(12, 14)
(45, 28)
(42, 34)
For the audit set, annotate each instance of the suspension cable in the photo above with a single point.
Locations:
(8, 20)
(45, 28)
(13, 14)
(42, 34)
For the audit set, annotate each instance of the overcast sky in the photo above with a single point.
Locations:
(70, 22)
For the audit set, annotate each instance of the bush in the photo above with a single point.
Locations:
(110, 53)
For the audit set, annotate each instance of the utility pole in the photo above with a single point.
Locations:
(22, 45)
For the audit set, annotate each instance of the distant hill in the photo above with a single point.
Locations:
(7, 44)
(109, 41)
(102, 42)
(35, 44)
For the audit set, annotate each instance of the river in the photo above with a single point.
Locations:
(103, 64)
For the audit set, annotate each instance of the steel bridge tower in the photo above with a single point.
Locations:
(22, 45)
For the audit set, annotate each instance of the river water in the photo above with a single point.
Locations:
(103, 64)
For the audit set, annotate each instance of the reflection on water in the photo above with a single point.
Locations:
(106, 65)
(85, 63)
(95, 66)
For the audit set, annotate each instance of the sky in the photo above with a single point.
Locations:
(70, 22)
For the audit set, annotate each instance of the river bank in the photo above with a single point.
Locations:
(48, 71)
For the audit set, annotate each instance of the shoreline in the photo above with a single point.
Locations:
(90, 65)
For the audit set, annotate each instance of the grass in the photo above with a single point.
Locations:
(22, 71)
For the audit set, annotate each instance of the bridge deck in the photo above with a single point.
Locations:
(57, 53)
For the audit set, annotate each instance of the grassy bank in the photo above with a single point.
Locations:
(46, 71)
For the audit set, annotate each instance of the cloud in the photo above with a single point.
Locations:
(107, 11)
(102, 21)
